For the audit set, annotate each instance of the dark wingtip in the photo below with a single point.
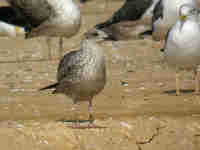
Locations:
(99, 26)
(105, 24)
(162, 50)
(49, 87)
(83, 1)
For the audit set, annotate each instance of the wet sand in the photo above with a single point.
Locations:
(137, 103)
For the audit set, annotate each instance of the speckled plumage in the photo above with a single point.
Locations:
(82, 74)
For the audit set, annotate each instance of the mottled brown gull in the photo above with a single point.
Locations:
(82, 74)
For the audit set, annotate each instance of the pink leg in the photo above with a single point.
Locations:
(91, 117)
(75, 124)
(196, 81)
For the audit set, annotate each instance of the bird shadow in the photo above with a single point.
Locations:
(72, 121)
(185, 91)
(82, 126)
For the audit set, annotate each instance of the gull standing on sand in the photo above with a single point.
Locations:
(51, 18)
(182, 44)
(165, 15)
(82, 74)
(131, 20)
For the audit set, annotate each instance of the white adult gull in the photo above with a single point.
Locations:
(165, 15)
(182, 44)
(51, 18)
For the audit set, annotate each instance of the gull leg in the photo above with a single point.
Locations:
(177, 83)
(60, 47)
(75, 124)
(91, 117)
(48, 41)
(106, 6)
(91, 113)
(81, 5)
(196, 81)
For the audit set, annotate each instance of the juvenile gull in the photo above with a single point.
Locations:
(82, 74)
(165, 15)
(125, 22)
(182, 44)
(51, 18)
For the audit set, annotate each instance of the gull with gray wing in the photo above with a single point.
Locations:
(165, 15)
(182, 44)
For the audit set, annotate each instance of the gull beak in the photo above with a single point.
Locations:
(182, 17)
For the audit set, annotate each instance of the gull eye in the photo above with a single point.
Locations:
(193, 11)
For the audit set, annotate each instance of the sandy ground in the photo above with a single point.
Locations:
(138, 106)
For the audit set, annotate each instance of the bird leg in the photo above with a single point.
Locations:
(60, 47)
(76, 124)
(81, 5)
(177, 83)
(91, 112)
(196, 81)
(106, 5)
(48, 41)
(91, 116)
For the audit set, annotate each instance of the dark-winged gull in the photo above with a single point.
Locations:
(82, 74)
(133, 18)
(10, 23)
(83, 1)
(182, 44)
(51, 18)
(165, 15)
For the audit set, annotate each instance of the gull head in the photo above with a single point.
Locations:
(187, 10)
(96, 34)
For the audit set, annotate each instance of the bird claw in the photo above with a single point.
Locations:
(92, 125)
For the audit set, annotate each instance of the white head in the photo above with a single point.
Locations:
(92, 41)
(187, 10)
(96, 35)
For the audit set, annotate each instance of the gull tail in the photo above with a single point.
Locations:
(52, 86)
